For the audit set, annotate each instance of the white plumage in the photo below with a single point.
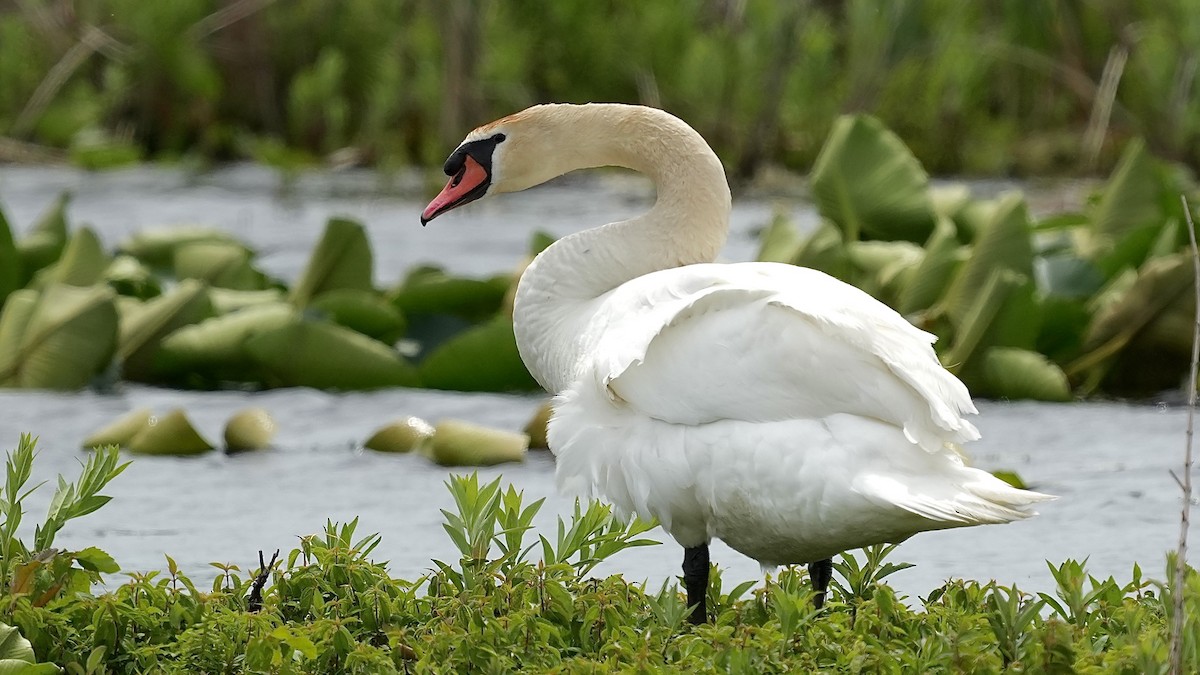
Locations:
(774, 407)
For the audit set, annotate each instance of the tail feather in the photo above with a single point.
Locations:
(983, 499)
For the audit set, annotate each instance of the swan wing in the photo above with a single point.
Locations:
(769, 342)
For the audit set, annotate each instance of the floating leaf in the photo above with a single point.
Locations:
(1003, 315)
(342, 259)
(1065, 275)
(249, 429)
(215, 348)
(1002, 243)
(1015, 374)
(780, 241)
(44, 243)
(870, 184)
(156, 246)
(70, 337)
(458, 443)
(878, 265)
(947, 199)
(406, 435)
(327, 356)
(219, 264)
(1012, 478)
(120, 431)
(10, 261)
(129, 277)
(825, 250)
(1133, 196)
(536, 429)
(170, 434)
(929, 280)
(82, 262)
(481, 358)
(13, 321)
(143, 330)
(227, 300)
(363, 311)
(429, 290)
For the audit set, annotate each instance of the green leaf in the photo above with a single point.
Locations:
(170, 434)
(363, 311)
(342, 259)
(429, 290)
(10, 261)
(942, 257)
(215, 347)
(129, 277)
(92, 558)
(221, 264)
(82, 263)
(44, 243)
(870, 184)
(1132, 197)
(481, 358)
(780, 241)
(70, 337)
(1002, 243)
(825, 250)
(142, 330)
(13, 646)
(156, 246)
(1017, 374)
(327, 356)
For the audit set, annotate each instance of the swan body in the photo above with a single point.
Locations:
(774, 407)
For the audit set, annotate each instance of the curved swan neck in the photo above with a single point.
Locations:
(687, 224)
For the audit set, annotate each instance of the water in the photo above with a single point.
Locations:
(1108, 462)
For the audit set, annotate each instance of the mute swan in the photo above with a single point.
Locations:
(770, 406)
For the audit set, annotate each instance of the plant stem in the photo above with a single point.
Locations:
(1176, 658)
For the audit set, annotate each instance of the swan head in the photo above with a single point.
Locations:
(511, 154)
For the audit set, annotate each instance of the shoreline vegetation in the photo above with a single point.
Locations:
(512, 603)
(984, 89)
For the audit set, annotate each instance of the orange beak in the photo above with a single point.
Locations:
(469, 184)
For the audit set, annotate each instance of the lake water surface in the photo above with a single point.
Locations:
(1108, 462)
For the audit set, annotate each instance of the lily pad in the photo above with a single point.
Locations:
(932, 275)
(457, 443)
(536, 428)
(411, 434)
(120, 431)
(825, 250)
(327, 356)
(429, 290)
(45, 242)
(227, 300)
(170, 434)
(363, 311)
(249, 429)
(10, 261)
(481, 358)
(342, 259)
(82, 263)
(780, 241)
(156, 246)
(218, 263)
(215, 348)
(1017, 374)
(143, 330)
(69, 338)
(869, 183)
(129, 277)
(1002, 243)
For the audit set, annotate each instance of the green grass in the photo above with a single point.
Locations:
(516, 603)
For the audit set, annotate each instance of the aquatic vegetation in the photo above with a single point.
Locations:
(512, 602)
(991, 88)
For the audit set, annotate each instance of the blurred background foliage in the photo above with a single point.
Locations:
(1011, 87)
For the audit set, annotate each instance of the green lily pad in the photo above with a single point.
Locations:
(215, 349)
(227, 300)
(363, 311)
(45, 242)
(1002, 243)
(411, 434)
(249, 429)
(481, 358)
(142, 331)
(867, 182)
(82, 262)
(1017, 374)
(170, 434)
(341, 260)
(219, 264)
(327, 356)
(10, 261)
(825, 250)
(69, 337)
(156, 246)
(457, 443)
(429, 290)
(129, 277)
(120, 431)
(780, 241)
(930, 279)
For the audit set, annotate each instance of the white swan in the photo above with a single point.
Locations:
(770, 406)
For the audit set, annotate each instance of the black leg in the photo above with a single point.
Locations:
(820, 573)
(695, 580)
